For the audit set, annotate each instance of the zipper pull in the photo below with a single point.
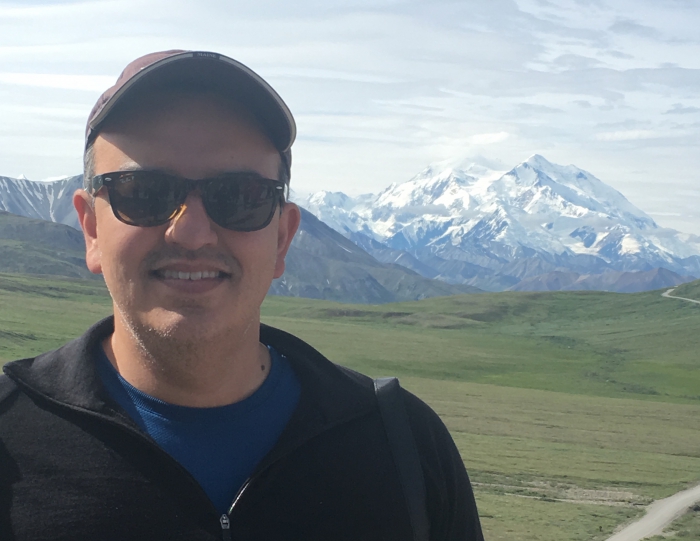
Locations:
(225, 528)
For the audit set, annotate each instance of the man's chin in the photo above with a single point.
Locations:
(150, 330)
(160, 328)
(197, 325)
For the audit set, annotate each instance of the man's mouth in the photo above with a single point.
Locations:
(192, 276)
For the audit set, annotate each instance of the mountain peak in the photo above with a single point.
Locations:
(429, 188)
(475, 164)
(331, 199)
(537, 161)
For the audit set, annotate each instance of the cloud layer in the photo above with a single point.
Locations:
(381, 88)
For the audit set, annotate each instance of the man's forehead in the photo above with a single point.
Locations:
(194, 139)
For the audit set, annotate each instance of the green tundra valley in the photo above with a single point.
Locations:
(572, 410)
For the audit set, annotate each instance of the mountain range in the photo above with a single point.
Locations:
(539, 226)
(321, 263)
(49, 201)
(498, 230)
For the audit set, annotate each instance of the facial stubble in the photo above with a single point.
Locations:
(178, 342)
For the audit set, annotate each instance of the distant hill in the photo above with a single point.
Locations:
(29, 246)
(323, 264)
(618, 282)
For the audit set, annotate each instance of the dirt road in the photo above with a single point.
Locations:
(668, 295)
(660, 514)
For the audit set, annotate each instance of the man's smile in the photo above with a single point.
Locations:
(196, 272)
(191, 277)
(168, 274)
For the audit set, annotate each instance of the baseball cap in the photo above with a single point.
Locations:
(202, 70)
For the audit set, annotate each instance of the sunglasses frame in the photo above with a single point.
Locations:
(110, 180)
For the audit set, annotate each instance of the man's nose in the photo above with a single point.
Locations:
(191, 228)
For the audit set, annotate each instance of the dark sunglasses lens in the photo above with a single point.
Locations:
(145, 198)
(241, 203)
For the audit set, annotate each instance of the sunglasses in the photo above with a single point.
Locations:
(240, 201)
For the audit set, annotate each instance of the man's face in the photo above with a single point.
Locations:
(189, 279)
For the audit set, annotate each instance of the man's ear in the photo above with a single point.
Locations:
(84, 206)
(290, 217)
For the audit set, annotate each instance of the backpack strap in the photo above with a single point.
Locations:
(405, 454)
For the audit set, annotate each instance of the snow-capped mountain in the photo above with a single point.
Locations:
(492, 229)
(471, 225)
(50, 201)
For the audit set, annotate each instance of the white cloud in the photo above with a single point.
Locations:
(338, 75)
(488, 138)
(91, 83)
(626, 135)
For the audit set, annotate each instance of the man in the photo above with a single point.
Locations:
(182, 417)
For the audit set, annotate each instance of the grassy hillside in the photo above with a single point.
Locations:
(593, 343)
(29, 246)
(554, 466)
(41, 313)
(571, 410)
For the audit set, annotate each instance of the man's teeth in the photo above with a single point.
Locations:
(179, 275)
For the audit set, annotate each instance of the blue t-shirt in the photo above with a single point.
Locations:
(219, 446)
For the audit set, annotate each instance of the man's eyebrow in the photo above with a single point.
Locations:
(130, 166)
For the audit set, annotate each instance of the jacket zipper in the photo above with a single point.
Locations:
(226, 518)
(225, 527)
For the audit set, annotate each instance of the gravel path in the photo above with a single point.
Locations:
(659, 515)
(668, 295)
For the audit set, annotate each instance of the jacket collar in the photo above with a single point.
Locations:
(330, 395)
(67, 375)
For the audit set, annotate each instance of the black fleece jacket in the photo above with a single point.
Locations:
(74, 466)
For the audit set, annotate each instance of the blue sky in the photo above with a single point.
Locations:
(382, 88)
